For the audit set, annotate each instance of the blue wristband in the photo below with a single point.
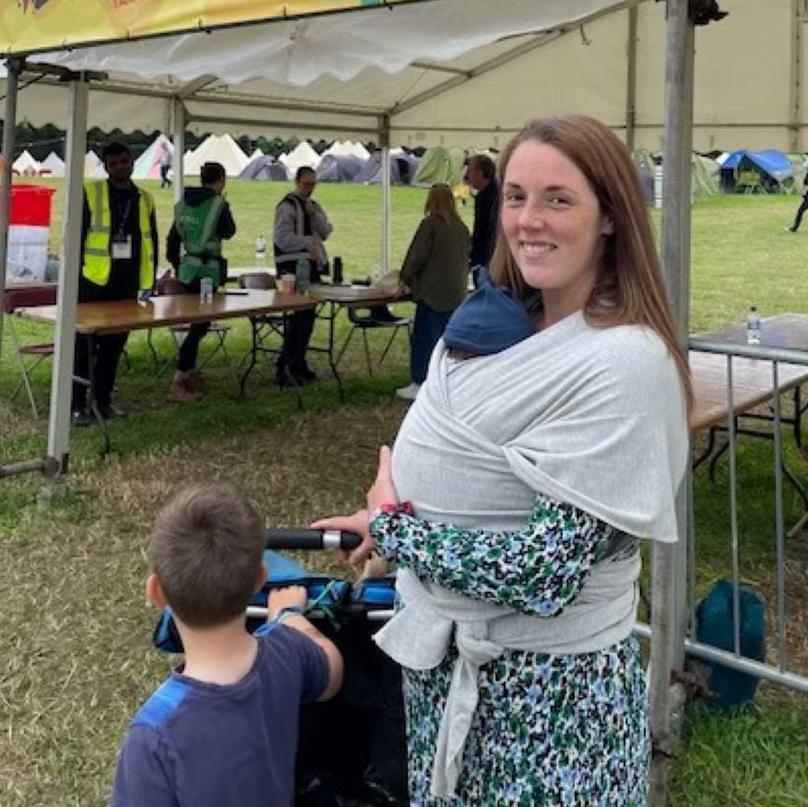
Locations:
(286, 613)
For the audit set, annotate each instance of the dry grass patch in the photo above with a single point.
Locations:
(78, 658)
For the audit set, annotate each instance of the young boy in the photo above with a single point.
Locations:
(223, 729)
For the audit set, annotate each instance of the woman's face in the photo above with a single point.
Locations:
(552, 222)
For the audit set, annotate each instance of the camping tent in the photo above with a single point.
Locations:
(347, 148)
(93, 166)
(403, 168)
(265, 167)
(221, 149)
(147, 166)
(767, 170)
(54, 165)
(26, 165)
(441, 164)
(339, 168)
(301, 155)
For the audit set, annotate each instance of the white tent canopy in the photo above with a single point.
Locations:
(221, 149)
(147, 166)
(339, 76)
(302, 155)
(26, 165)
(54, 164)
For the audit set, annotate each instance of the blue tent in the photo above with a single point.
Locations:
(772, 168)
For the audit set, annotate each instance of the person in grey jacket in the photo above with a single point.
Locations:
(301, 227)
(436, 270)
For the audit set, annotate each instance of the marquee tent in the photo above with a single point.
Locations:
(54, 164)
(147, 166)
(221, 149)
(439, 83)
(420, 73)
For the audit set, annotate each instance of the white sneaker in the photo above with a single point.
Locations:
(408, 393)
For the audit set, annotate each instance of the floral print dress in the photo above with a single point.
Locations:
(548, 730)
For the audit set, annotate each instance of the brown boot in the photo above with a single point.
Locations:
(180, 389)
(196, 381)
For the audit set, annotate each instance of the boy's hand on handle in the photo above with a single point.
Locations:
(358, 523)
(280, 598)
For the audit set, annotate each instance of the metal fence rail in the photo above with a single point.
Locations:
(779, 671)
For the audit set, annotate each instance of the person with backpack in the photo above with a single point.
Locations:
(202, 220)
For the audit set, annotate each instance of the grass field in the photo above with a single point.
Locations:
(77, 657)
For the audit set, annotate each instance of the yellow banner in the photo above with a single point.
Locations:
(28, 26)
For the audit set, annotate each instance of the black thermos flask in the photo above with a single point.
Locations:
(337, 278)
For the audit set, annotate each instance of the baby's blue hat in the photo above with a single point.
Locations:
(488, 321)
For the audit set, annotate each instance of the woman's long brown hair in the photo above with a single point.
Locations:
(629, 289)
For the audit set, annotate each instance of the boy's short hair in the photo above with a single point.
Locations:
(211, 173)
(206, 549)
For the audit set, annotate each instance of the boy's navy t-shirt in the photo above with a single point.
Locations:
(208, 744)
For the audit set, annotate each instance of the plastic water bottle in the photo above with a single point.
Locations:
(753, 327)
(302, 275)
(206, 290)
(260, 251)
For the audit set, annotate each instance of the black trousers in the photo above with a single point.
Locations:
(106, 355)
(299, 327)
(800, 213)
(190, 346)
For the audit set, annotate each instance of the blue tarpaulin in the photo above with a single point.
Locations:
(772, 163)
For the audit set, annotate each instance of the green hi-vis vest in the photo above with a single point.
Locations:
(197, 227)
(97, 257)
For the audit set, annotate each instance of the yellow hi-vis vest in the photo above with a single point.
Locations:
(97, 258)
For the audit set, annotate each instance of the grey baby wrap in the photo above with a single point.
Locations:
(593, 417)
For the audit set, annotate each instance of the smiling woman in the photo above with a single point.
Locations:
(522, 479)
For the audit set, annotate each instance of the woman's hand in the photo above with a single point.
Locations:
(358, 523)
(382, 490)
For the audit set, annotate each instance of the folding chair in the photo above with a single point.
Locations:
(170, 286)
(269, 324)
(367, 322)
(27, 298)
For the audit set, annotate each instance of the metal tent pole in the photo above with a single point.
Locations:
(669, 562)
(179, 122)
(67, 299)
(384, 252)
(14, 68)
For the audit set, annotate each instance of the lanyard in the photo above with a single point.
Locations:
(124, 211)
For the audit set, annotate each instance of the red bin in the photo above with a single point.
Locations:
(31, 205)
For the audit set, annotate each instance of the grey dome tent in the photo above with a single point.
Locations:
(265, 168)
(403, 168)
(339, 168)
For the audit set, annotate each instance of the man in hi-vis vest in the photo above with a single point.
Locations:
(194, 248)
(119, 260)
(301, 226)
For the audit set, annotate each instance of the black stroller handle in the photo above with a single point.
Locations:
(311, 539)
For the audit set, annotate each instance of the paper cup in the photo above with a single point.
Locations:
(287, 284)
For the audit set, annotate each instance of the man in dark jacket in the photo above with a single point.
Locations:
(481, 175)
(119, 260)
(201, 221)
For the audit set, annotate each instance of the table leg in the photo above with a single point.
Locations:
(253, 355)
(331, 347)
